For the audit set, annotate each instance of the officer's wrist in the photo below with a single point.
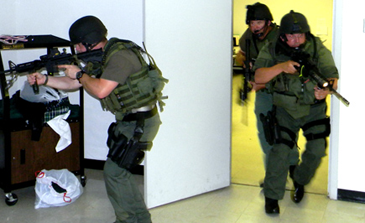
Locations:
(79, 75)
(46, 81)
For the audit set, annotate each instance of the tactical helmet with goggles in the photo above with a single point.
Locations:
(87, 30)
(294, 22)
(258, 11)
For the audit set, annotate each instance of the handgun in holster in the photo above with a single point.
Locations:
(271, 127)
(127, 153)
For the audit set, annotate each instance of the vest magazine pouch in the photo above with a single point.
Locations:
(141, 88)
(308, 96)
(110, 103)
(158, 80)
(145, 86)
(114, 101)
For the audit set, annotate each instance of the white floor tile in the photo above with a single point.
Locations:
(234, 204)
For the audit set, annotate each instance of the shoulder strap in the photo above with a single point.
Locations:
(315, 53)
(114, 42)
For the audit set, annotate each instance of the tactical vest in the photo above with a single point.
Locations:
(143, 88)
(292, 92)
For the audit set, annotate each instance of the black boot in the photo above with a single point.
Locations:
(271, 206)
(291, 171)
(298, 193)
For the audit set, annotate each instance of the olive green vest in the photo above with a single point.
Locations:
(292, 92)
(140, 89)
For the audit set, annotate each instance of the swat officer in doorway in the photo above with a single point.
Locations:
(119, 82)
(298, 102)
(260, 31)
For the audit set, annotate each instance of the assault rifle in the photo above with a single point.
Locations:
(50, 62)
(310, 69)
(246, 76)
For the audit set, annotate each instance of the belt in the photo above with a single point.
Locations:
(140, 114)
(143, 109)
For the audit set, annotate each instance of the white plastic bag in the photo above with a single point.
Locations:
(55, 188)
(46, 94)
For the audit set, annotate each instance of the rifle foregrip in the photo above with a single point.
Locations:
(35, 87)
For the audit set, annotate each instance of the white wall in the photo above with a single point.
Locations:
(123, 19)
(191, 43)
(349, 54)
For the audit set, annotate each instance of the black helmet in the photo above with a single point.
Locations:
(88, 30)
(294, 22)
(258, 11)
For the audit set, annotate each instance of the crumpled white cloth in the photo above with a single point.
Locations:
(62, 128)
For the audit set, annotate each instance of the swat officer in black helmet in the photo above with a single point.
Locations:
(298, 103)
(137, 119)
(260, 31)
(260, 28)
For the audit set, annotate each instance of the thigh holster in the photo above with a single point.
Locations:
(273, 132)
(127, 153)
(324, 134)
(290, 143)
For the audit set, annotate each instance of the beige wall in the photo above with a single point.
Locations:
(318, 14)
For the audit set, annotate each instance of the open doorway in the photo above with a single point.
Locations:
(247, 157)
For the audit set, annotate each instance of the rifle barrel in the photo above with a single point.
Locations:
(340, 97)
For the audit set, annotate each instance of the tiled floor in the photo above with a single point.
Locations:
(234, 204)
(242, 202)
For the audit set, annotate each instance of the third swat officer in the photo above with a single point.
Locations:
(299, 104)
